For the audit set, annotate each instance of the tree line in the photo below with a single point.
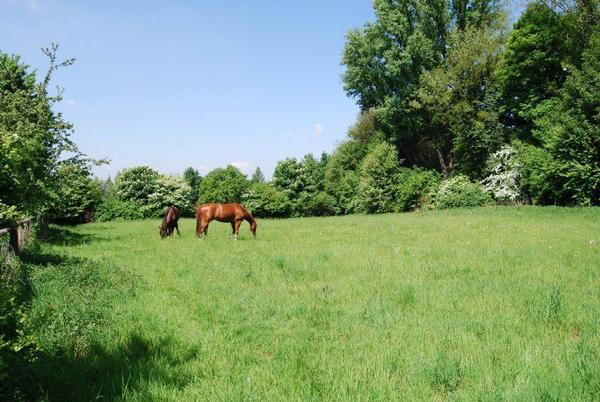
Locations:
(456, 110)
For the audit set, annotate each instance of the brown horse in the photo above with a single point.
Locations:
(169, 222)
(232, 213)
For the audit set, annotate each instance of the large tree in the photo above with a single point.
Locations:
(33, 137)
(386, 58)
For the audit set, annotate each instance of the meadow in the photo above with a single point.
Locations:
(481, 304)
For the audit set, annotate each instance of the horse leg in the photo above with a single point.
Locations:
(177, 228)
(232, 228)
(237, 228)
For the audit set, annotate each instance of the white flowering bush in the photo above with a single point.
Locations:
(459, 192)
(503, 180)
(170, 190)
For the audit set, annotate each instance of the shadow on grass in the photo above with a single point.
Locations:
(63, 236)
(113, 374)
(68, 302)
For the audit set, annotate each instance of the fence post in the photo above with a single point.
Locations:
(19, 235)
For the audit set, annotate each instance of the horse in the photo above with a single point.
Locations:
(232, 213)
(169, 222)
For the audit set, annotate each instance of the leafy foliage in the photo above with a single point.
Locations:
(378, 176)
(170, 191)
(76, 195)
(136, 184)
(258, 176)
(504, 176)
(300, 180)
(193, 179)
(114, 209)
(386, 58)
(459, 192)
(33, 137)
(223, 185)
(264, 201)
(414, 187)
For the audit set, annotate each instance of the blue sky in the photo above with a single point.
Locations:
(173, 84)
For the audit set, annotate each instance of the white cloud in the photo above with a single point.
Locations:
(318, 129)
(241, 164)
(70, 102)
(203, 169)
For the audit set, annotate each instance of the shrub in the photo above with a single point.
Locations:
(171, 190)
(265, 201)
(76, 195)
(136, 184)
(459, 192)
(378, 174)
(112, 209)
(414, 186)
(504, 174)
(223, 185)
(317, 204)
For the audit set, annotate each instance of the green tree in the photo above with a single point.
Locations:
(532, 67)
(264, 201)
(223, 185)
(385, 59)
(301, 180)
(193, 179)
(378, 174)
(257, 176)
(33, 138)
(76, 194)
(170, 191)
(341, 179)
(137, 184)
(459, 99)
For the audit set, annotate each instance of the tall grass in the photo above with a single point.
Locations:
(484, 304)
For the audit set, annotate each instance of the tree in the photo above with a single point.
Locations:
(301, 180)
(170, 191)
(223, 185)
(76, 195)
(459, 99)
(264, 201)
(378, 175)
(532, 67)
(385, 59)
(33, 138)
(136, 185)
(257, 176)
(341, 180)
(193, 179)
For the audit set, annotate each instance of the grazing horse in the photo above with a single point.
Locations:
(232, 213)
(169, 222)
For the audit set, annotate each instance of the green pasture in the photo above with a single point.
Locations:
(484, 304)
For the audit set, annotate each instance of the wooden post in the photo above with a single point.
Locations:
(19, 235)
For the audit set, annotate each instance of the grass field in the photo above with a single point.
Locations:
(483, 304)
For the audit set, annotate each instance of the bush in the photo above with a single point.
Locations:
(504, 175)
(414, 186)
(76, 195)
(171, 190)
(265, 202)
(223, 185)
(112, 209)
(378, 176)
(317, 204)
(136, 184)
(459, 192)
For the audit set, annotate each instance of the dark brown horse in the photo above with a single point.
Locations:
(232, 213)
(169, 222)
